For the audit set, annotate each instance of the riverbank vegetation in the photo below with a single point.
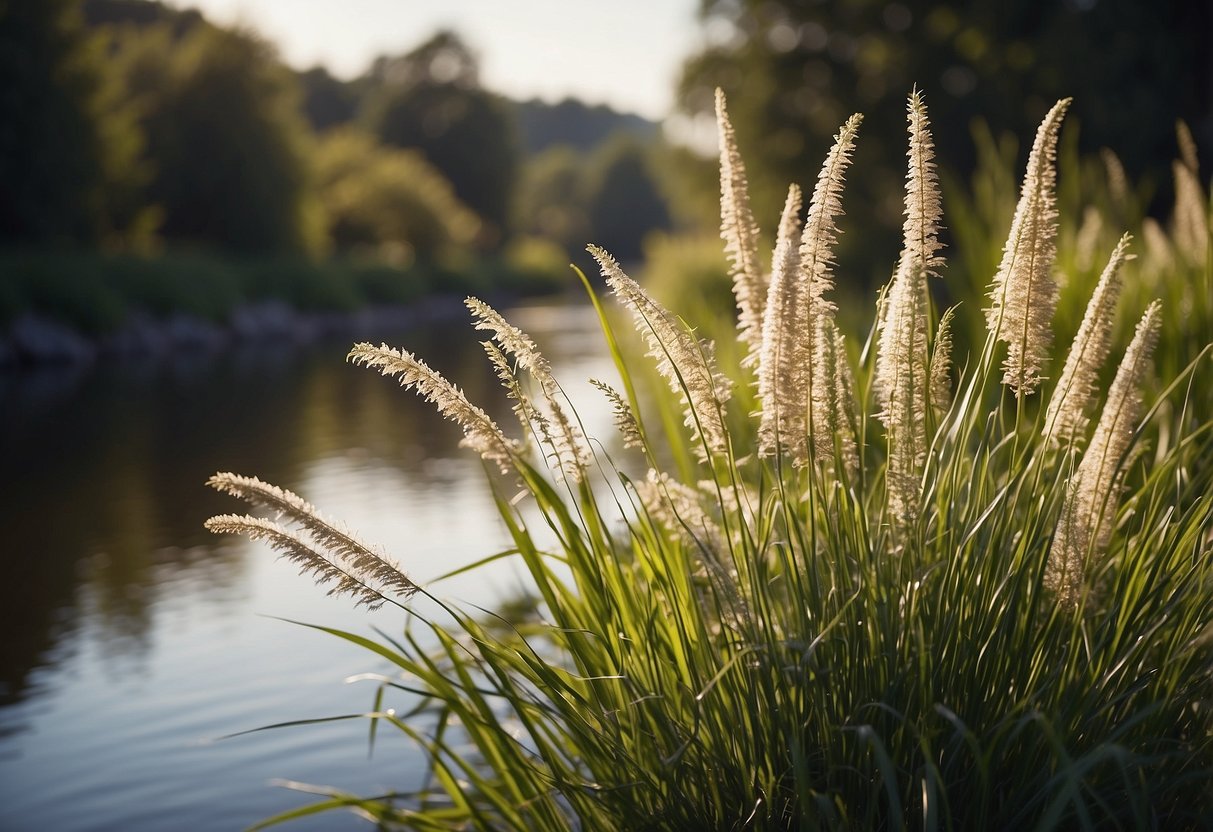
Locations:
(822, 579)
(156, 164)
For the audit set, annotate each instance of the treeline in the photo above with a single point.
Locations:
(133, 128)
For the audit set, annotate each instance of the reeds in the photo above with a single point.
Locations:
(979, 617)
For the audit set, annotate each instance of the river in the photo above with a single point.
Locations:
(134, 640)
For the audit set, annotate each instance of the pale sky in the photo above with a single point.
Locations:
(626, 53)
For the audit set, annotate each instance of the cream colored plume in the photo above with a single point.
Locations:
(680, 509)
(1066, 418)
(740, 232)
(941, 363)
(329, 553)
(834, 402)
(903, 365)
(480, 432)
(1024, 292)
(1191, 218)
(796, 337)
(625, 419)
(788, 239)
(1088, 513)
(686, 363)
(559, 432)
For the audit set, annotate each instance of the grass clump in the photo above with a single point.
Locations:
(860, 585)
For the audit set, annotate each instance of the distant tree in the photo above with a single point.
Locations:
(327, 101)
(575, 124)
(443, 59)
(430, 99)
(226, 139)
(141, 13)
(623, 200)
(65, 151)
(551, 198)
(387, 201)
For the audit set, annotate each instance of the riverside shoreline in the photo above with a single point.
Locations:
(34, 341)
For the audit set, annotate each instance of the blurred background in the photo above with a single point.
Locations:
(202, 204)
(339, 154)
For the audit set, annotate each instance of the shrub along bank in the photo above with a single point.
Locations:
(76, 305)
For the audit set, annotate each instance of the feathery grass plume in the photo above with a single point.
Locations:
(903, 381)
(1191, 219)
(1066, 417)
(793, 346)
(835, 400)
(679, 508)
(1187, 146)
(528, 416)
(1023, 292)
(363, 561)
(787, 236)
(310, 560)
(1086, 241)
(1158, 246)
(687, 363)
(566, 441)
(740, 232)
(1118, 181)
(480, 432)
(789, 222)
(625, 419)
(784, 358)
(1089, 510)
(941, 363)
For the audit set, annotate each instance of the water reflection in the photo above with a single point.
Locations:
(131, 634)
(102, 471)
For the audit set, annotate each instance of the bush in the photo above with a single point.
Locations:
(388, 202)
(857, 596)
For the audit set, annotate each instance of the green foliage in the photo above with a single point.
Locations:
(534, 265)
(623, 200)
(758, 633)
(685, 270)
(66, 150)
(576, 125)
(327, 101)
(388, 202)
(550, 201)
(225, 139)
(98, 294)
(430, 100)
(613, 194)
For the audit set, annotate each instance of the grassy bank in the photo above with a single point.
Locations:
(97, 294)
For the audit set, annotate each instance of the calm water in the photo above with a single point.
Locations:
(133, 639)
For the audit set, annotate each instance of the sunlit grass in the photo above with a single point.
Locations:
(849, 612)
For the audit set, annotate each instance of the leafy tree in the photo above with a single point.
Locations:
(327, 101)
(623, 200)
(550, 202)
(576, 124)
(388, 201)
(430, 99)
(66, 152)
(141, 13)
(226, 139)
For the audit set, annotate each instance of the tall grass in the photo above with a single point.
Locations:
(863, 584)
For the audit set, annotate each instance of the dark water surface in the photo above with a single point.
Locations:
(133, 639)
